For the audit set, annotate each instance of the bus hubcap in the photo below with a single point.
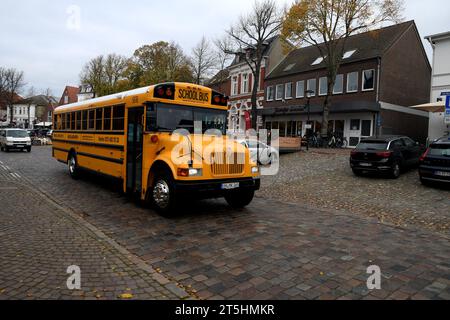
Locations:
(72, 164)
(161, 194)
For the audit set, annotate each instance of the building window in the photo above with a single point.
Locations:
(244, 83)
(348, 54)
(339, 84)
(323, 86)
(279, 92)
(300, 90)
(234, 86)
(312, 83)
(288, 91)
(368, 80)
(66, 99)
(352, 82)
(270, 93)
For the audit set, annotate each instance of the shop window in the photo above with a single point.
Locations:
(282, 129)
(355, 125)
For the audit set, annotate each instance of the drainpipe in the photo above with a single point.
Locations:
(378, 93)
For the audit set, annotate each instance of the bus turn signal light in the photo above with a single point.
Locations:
(155, 139)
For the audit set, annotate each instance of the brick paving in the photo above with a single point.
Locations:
(271, 250)
(39, 240)
(323, 178)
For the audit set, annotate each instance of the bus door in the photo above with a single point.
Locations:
(135, 149)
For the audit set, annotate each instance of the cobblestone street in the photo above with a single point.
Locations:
(323, 178)
(314, 244)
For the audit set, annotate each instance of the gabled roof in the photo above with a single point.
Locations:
(220, 77)
(40, 100)
(3, 103)
(368, 45)
(72, 93)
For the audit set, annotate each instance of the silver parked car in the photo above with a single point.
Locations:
(14, 139)
(261, 152)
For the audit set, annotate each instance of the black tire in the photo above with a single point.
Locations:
(1, 148)
(162, 194)
(6, 149)
(357, 173)
(425, 183)
(396, 170)
(72, 164)
(240, 199)
(29, 149)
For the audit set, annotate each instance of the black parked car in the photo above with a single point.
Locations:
(385, 154)
(435, 163)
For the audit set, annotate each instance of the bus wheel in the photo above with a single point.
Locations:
(73, 166)
(241, 199)
(162, 194)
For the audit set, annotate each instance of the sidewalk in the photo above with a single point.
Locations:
(39, 240)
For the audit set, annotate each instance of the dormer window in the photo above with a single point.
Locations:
(348, 54)
(319, 60)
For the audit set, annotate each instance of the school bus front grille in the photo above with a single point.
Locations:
(227, 164)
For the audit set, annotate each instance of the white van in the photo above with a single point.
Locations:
(14, 139)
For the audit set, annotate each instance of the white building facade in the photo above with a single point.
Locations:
(440, 82)
(22, 115)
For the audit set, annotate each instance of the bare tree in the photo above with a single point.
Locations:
(327, 24)
(11, 82)
(31, 93)
(203, 60)
(93, 74)
(248, 39)
(223, 58)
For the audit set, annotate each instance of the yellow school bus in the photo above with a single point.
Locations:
(130, 136)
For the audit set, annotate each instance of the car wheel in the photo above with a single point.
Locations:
(162, 194)
(29, 150)
(357, 173)
(424, 182)
(396, 170)
(73, 166)
(1, 148)
(240, 199)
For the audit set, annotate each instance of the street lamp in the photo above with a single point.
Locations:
(309, 93)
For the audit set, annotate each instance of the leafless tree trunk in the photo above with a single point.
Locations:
(203, 60)
(249, 39)
(12, 83)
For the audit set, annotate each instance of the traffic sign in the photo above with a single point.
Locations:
(447, 110)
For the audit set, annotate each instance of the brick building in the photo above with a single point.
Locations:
(383, 72)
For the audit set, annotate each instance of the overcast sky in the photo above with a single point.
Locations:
(44, 39)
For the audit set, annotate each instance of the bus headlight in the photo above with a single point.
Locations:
(195, 172)
(190, 172)
(255, 170)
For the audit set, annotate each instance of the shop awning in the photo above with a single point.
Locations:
(44, 124)
(435, 107)
(339, 107)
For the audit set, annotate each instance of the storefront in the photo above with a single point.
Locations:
(352, 123)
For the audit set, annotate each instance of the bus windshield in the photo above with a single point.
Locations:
(169, 117)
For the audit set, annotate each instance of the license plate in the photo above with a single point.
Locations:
(442, 174)
(364, 164)
(230, 186)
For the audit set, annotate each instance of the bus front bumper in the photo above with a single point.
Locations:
(216, 188)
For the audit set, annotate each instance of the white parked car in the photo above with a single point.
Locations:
(267, 154)
(17, 139)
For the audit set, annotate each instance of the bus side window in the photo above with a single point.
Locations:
(84, 120)
(99, 119)
(91, 119)
(151, 124)
(119, 118)
(107, 119)
(78, 122)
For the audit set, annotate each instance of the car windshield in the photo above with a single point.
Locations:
(16, 134)
(440, 150)
(372, 145)
(173, 117)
